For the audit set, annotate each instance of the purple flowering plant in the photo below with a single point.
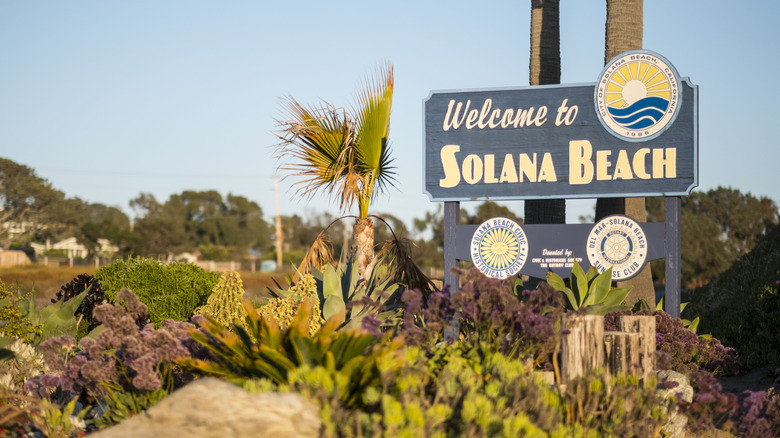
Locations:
(123, 356)
(488, 313)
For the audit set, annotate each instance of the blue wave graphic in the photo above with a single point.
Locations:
(642, 113)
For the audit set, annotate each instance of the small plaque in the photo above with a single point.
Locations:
(499, 247)
(617, 241)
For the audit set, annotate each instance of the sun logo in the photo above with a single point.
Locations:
(499, 247)
(637, 96)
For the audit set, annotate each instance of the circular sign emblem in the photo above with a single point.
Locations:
(499, 247)
(619, 242)
(637, 96)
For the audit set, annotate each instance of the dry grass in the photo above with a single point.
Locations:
(42, 280)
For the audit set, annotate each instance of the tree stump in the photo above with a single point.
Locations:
(582, 349)
(632, 350)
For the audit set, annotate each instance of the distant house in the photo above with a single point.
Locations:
(72, 249)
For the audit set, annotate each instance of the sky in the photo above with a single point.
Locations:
(107, 100)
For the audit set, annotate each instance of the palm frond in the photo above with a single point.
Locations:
(318, 256)
(318, 144)
(404, 270)
(374, 102)
(345, 154)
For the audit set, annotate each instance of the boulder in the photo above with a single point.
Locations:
(672, 383)
(210, 407)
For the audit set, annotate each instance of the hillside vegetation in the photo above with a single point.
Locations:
(741, 307)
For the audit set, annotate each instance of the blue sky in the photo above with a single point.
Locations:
(110, 99)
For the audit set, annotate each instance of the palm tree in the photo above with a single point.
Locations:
(545, 69)
(345, 154)
(624, 31)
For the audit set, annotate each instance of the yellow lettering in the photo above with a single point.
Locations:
(483, 114)
(506, 120)
(450, 166)
(665, 163)
(451, 120)
(528, 167)
(547, 172)
(472, 169)
(603, 165)
(508, 171)
(639, 163)
(580, 167)
(490, 169)
(541, 116)
(623, 166)
(472, 117)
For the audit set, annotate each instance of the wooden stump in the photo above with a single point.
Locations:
(632, 350)
(582, 349)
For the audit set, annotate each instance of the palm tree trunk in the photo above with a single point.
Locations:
(544, 69)
(624, 31)
(363, 246)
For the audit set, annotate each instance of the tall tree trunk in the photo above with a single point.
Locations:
(545, 69)
(363, 249)
(624, 31)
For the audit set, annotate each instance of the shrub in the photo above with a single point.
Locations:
(488, 313)
(14, 314)
(741, 307)
(680, 349)
(171, 291)
(463, 394)
(122, 358)
(266, 351)
(26, 364)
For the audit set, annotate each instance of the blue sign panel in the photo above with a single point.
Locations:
(633, 133)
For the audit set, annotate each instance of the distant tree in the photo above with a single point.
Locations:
(490, 209)
(157, 231)
(718, 227)
(193, 220)
(26, 200)
(102, 222)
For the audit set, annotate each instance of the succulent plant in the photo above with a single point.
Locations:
(590, 290)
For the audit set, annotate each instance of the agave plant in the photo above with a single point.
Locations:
(340, 289)
(590, 290)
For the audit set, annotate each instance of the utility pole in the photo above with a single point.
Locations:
(279, 233)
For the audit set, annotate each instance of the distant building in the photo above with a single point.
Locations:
(72, 249)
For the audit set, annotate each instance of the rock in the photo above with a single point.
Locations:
(210, 407)
(672, 383)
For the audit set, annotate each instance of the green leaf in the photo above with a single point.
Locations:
(579, 282)
(331, 283)
(599, 287)
(58, 318)
(616, 296)
(333, 306)
(557, 282)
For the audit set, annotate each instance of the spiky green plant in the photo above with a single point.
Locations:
(226, 302)
(282, 310)
(590, 290)
(265, 351)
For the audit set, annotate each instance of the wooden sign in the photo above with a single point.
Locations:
(633, 133)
